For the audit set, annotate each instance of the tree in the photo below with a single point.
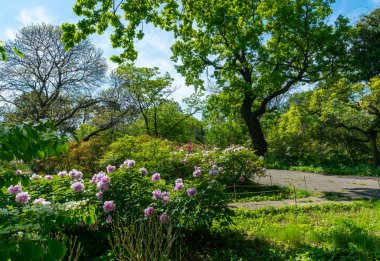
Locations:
(49, 82)
(354, 108)
(258, 48)
(365, 49)
(149, 92)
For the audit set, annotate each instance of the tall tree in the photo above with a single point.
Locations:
(49, 82)
(150, 92)
(259, 48)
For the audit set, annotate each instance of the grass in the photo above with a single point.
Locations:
(359, 170)
(256, 192)
(326, 232)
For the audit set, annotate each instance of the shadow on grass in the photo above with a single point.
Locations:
(234, 245)
(353, 194)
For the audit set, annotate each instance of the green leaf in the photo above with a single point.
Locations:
(56, 248)
(19, 54)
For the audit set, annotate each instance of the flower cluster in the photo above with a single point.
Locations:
(77, 186)
(75, 174)
(13, 190)
(41, 201)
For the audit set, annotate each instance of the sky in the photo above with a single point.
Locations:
(154, 49)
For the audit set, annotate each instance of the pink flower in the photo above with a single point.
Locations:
(97, 177)
(99, 195)
(13, 190)
(41, 201)
(191, 192)
(221, 169)
(164, 218)
(148, 212)
(35, 176)
(49, 177)
(156, 194)
(22, 197)
(165, 199)
(178, 186)
(18, 172)
(129, 163)
(110, 168)
(144, 171)
(156, 177)
(108, 219)
(214, 166)
(189, 148)
(102, 186)
(197, 172)
(178, 181)
(77, 186)
(75, 174)
(184, 161)
(62, 173)
(109, 206)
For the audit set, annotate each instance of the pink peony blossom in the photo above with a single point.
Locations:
(191, 192)
(13, 190)
(179, 180)
(77, 186)
(110, 168)
(48, 177)
(62, 173)
(97, 177)
(22, 197)
(156, 177)
(214, 166)
(109, 206)
(164, 218)
(221, 169)
(109, 219)
(41, 201)
(129, 163)
(165, 199)
(144, 171)
(99, 195)
(75, 174)
(148, 212)
(178, 186)
(102, 186)
(156, 194)
(197, 172)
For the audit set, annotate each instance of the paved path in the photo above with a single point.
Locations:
(329, 188)
(354, 187)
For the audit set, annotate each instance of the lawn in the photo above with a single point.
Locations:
(327, 232)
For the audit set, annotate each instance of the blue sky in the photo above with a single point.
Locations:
(154, 49)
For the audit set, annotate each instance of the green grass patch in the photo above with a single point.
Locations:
(325, 232)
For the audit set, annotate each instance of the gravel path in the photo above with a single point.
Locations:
(355, 187)
(329, 188)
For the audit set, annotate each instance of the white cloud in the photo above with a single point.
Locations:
(10, 33)
(375, 1)
(33, 15)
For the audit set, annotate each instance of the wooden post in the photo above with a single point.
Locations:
(295, 195)
(234, 191)
(304, 177)
(270, 177)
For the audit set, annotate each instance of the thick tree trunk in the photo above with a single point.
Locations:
(375, 152)
(252, 121)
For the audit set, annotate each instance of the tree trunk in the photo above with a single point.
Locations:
(252, 121)
(375, 152)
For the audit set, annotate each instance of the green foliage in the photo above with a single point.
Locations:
(324, 232)
(29, 141)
